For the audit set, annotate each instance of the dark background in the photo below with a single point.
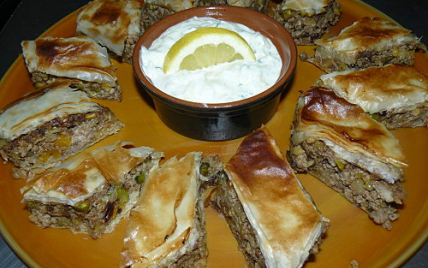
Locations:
(27, 19)
(37, 16)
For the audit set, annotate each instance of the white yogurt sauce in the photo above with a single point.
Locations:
(221, 83)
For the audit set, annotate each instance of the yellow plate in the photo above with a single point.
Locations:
(352, 235)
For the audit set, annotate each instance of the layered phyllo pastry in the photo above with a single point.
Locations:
(155, 10)
(91, 192)
(166, 228)
(114, 24)
(77, 59)
(47, 126)
(367, 42)
(273, 218)
(395, 95)
(307, 20)
(341, 145)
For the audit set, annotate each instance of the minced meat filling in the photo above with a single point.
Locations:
(331, 60)
(196, 251)
(305, 29)
(417, 117)
(227, 203)
(90, 216)
(93, 89)
(257, 5)
(59, 138)
(128, 50)
(94, 214)
(362, 188)
(151, 13)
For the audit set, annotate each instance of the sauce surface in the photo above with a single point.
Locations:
(221, 83)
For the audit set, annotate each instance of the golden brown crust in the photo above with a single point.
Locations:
(64, 52)
(366, 33)
(111, 165)
(111, 23)
(162, 222)
(378, 89)
(75, 58)
(32, 110)
(275, 202)
(257, 160)
(325, 114)
(109, 13)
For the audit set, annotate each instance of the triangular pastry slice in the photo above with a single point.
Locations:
(368, 42)
(395, 95)
(273, 218)
(166, 227)
(338, 143)
(91, 192)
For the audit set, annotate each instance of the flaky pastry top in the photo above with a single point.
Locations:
(83, 175)
(163, 218)
(36, 108)
(283, 214)
(76, 57)
(378, 89)
(369, 33)
(110, 22)
(324, 115)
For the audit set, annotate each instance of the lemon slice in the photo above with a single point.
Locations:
(205, 47)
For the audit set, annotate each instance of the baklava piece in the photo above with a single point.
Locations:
(307, 20)
(114, 24)
(166, 228)
(394, 95)
(45, 127)
(273, 218)
(77, 59)
(366, 43)
(338, 143)
(92, 192)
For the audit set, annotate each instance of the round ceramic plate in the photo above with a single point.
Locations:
(352, 235)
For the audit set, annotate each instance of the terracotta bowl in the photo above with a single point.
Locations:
(220, 121)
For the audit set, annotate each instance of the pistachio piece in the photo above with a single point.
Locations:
(204, 168)
(222, 177)
(140, 178)
(340, 164)
(375, 117)
(83, 207)
(286, 14)
(31, 205)
(122, 196)
(38, 84)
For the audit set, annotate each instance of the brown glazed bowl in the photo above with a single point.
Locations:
(220, 121)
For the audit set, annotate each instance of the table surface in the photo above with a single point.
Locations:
(28, 19)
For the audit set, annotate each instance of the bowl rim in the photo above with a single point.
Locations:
(211, 11)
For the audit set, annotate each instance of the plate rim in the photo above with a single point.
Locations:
(25, 257)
